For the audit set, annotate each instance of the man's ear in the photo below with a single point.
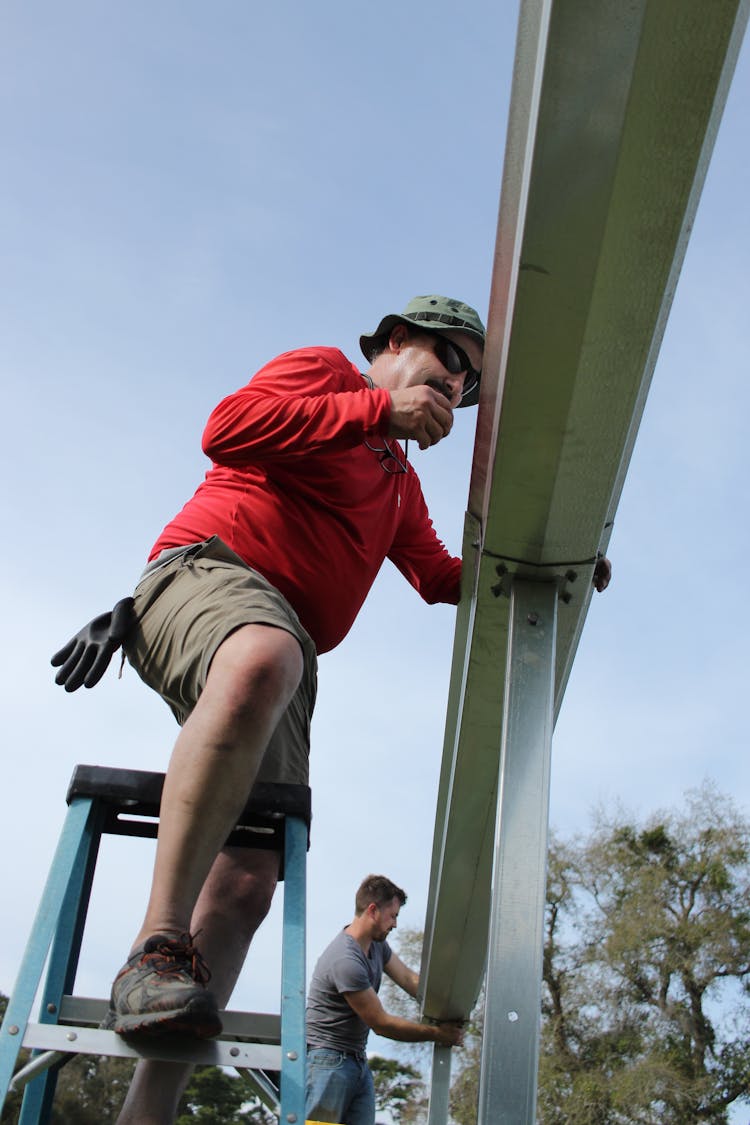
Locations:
(398, 337)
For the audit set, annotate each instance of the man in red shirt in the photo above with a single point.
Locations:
(268, 564)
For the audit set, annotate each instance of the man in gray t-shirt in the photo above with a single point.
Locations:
(343, 1006)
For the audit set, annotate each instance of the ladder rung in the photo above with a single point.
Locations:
(260, 1027)
(168, 1048)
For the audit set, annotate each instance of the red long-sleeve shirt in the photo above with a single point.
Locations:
(298, 495)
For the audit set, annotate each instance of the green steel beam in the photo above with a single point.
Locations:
(614, 113)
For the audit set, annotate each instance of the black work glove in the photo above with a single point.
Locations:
(85, 658)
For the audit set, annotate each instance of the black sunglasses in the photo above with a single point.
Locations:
(389, 462)
(455, 360)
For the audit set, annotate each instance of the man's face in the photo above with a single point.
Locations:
(432, 358)
(384, 919)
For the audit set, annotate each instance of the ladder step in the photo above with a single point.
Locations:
(261, 1027)
(167, 1048)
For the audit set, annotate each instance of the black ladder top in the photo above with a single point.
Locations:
(128, 796)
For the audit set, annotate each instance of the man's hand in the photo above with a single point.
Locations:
(421, 413)
(449, 1034)
(86, 656)
(602, 574)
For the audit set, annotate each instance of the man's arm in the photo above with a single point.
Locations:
(369, 1009)
(402, 975)
(297, 404)
(419, 554)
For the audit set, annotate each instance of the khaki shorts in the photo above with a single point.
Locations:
(185, 608)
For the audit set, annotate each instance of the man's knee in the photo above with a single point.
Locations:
(253, 676)
(259, 660)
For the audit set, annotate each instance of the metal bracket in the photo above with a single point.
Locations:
(506, 575)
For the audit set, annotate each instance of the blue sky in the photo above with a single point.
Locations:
(188, 190)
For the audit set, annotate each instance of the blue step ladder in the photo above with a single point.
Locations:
(126, 803)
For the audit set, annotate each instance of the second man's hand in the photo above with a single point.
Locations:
(450, 1033)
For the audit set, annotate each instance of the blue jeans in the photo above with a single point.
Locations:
(338, 1087)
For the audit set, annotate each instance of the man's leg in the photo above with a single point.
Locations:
(252, 679)
(361, 1110)
(332, 1081)
(253, 676)
(234, 901)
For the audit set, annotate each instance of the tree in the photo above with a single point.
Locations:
(90, 1090)
(399, 1089)
(646, 964)
(646, 973)
(216, 1097)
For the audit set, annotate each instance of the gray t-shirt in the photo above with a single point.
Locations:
(342, 967)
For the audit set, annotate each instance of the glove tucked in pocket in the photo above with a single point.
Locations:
(86, 656)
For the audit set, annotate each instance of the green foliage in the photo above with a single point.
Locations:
(91, 1090)
(647, 950)
(215, 1097)
(646, 967)
(399, 1089)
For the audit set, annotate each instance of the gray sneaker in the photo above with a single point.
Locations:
(162, 988)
